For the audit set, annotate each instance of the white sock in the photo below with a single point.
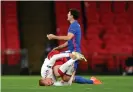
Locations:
(67, 65)
(56, 57)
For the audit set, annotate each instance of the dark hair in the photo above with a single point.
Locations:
(75, 13)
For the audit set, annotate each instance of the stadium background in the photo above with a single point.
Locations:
(107, 34)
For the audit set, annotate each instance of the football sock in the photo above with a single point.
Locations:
(81, 80)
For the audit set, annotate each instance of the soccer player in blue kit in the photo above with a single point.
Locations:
(72, 39)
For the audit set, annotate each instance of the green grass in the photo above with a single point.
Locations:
(30, 84)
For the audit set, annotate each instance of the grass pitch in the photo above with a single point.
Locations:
(30, 84)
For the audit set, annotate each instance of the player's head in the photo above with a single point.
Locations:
(72, 14)
(45, 82)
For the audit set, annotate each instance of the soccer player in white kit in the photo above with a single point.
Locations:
(56, 65)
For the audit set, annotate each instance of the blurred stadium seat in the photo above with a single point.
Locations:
(119, 7)
(105, 7)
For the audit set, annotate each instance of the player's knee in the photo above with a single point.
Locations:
(66, 78)
(72, 56)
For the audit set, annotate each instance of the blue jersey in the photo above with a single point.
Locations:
(74, 43)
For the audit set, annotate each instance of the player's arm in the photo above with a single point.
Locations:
(68, 37)
(61, 46)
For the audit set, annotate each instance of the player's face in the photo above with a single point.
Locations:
(47, 82)
(69, 16)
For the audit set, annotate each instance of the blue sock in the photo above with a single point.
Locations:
(81, 80)
(75, 65)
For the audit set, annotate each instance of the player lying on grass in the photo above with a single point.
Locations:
(56, 65)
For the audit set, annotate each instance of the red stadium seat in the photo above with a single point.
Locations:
(109, 38)
(121, 18)
(105, 6)
(91, 12)
(130, 7)
(126, 51)
(61, 23)
(95, 47)
(111, 63)
(107, 18)
(119, 7)
(61, 8)
(83, 66)
(62, 30)
(113, 47)
(96, 42)
(90, 6)
(92, 18)
(97, 61)
(130, 13)
(125, 29)
(126, 39)
(84, 47)
(130, 19)
(3, 45)
(92, 36)
(3, 39)
(11, 31)
(111, 29)
(93, 30)
(13, 59)
(74, 4)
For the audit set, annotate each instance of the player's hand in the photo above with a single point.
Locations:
(51, 36)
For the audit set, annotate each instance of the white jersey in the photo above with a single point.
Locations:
(47, 72)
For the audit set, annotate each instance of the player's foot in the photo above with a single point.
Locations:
(79, 56)
(95, 80)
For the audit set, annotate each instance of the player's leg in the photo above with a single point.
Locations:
(64, 67)
(49, 63)
(81, 80)
(74, 57)
(78, 79)
(56, 57)
(69, 74)
(64, 71)
(62, 75)
(60, 70)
